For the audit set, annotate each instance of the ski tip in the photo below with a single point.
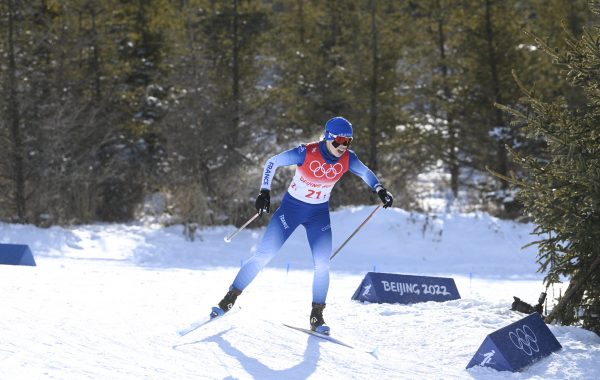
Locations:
(375, 352)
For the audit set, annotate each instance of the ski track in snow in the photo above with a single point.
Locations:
(105, 302)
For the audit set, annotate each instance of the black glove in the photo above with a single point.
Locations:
(386, 197)
(263, 202)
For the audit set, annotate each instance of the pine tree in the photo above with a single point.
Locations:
(339, 58)
(220, 94)
(13, 176)
(439, 97)
(30, 100)
(561, 192)
(490, 46)
(133, 46)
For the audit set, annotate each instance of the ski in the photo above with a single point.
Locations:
(194, 326)
(319, 335)
(374, 352)
(199, 323)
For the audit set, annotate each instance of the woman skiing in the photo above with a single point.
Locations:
(319, 166)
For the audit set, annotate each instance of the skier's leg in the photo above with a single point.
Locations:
(318, 231)
(278, 231)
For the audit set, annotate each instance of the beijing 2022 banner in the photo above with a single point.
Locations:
(406, 289)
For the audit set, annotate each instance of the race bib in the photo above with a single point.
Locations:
(315, 178)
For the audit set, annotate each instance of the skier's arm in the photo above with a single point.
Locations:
(361, 170)
(293, 156)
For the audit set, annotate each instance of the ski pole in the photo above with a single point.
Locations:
(232, 235)
(355, 231)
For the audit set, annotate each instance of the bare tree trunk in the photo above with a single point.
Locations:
(301, 30)
(452, 132)
(96, 57)
(502, 157)
(18, 170)
(236, 77)
(563, 311)
(374, 88)
(332, 7)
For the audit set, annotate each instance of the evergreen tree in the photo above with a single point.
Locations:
(341, 58)
(561, 191)
(13, 157)
(133, 45)
(543, 17)
(437, 77)
(104, 102)
(313, 72)
(382, 99)
(490, 49)
(31, 99)
(217, 113)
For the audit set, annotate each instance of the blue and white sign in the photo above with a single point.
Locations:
(405, 289)
(516, 346)
(16, 254)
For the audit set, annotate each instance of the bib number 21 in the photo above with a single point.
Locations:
(313, 194)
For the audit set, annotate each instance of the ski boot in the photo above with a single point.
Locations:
(226, 303)
(317, 323)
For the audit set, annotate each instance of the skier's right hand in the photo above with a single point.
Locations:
(263, 202)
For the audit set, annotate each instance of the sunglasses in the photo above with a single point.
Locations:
(341, 140)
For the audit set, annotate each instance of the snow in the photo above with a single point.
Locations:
(106, 300)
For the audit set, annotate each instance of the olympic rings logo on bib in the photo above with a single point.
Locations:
(328, 171)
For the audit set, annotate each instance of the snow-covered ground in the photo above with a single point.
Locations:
(105, 302)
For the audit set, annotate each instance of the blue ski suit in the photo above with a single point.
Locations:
(305, 203)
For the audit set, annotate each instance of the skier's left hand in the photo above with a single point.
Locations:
(386, 197)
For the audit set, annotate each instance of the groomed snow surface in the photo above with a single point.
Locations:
(105, 302)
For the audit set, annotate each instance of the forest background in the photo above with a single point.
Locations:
(104, 104)
(113, 110)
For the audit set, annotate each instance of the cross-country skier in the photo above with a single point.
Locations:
(319, 166)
